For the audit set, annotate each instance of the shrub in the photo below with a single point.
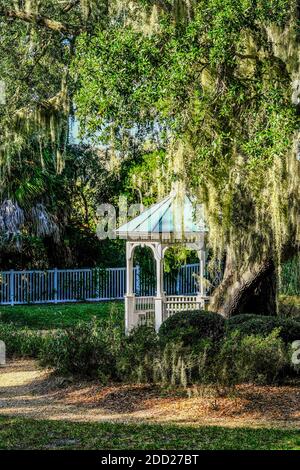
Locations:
(289, 329)
(88, 349)
(137, 355)
(252, 358)
(239, 319)
(21, 342)
(180, 365)
(189, 349)
(189, 328)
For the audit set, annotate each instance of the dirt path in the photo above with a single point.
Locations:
(27, 390)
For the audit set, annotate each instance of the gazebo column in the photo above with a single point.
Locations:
(159, 299)
(131, 319)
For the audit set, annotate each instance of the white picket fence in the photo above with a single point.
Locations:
(74, 285)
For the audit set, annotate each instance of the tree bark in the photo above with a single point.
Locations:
(253, 290)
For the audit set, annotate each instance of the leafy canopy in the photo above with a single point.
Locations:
(210, 85)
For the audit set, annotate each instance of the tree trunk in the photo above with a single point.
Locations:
(253, 290)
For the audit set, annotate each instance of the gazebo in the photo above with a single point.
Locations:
(171, 221)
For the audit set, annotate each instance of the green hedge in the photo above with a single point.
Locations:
(288, 329)
(88, 348)
(21, 341)
(253, 358)
(191, 327)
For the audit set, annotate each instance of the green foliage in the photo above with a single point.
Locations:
(100, 349)
(223, 362)
(190, 349)
(138, 355)
(86, 349)
(58, 227)
(40, 163)
(289, 307)
(34, 64)
(252, 358)
(211, 78)
(177, 364)
(112, 81)
(288, 329)
(237, 320)
(214, 88)
(192, 327)
(141, 179)
(21, 342)
(290, 277)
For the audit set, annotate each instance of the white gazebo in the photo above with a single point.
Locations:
(171, 221)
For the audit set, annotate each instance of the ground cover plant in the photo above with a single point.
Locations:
(288, 329)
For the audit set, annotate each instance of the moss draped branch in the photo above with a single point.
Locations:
(70, 5)
(41, 20)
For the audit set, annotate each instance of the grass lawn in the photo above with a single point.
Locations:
(59, 315)
(63, 315)
(22, 433)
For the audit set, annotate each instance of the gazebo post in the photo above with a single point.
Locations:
(159, 299)
(130, 316)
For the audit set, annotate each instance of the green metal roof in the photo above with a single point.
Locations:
(173, 218)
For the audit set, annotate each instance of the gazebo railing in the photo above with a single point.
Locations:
(145, 309)
(144, 303)
(180, 303)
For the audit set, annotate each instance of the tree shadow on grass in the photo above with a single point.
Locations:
(20, 433)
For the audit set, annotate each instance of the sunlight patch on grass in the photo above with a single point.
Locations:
(59, 315)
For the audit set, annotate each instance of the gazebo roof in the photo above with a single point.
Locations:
(172, 219)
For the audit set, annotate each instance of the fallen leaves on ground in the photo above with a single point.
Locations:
(27, 390)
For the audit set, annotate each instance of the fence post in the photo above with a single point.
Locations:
(138, 280)
(55, 285)
(12, 287)
(178, 282)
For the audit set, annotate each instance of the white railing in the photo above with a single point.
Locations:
(74, 285)
(180, 303)
(61, 285)
(144, 307)
(143, 304)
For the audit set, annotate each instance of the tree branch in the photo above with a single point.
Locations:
(246, 56)
(40, 20)
(70, 5)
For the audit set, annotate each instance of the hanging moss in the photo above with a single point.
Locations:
(217, 83)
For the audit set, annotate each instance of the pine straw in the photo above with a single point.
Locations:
(26, 390)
